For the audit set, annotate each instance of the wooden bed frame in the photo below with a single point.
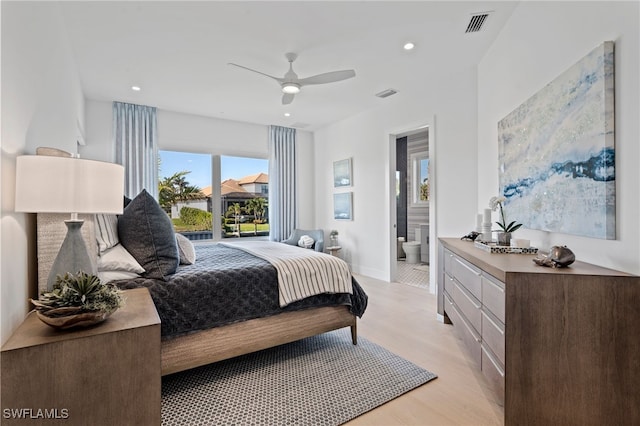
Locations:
(219, 343)
(215, 344)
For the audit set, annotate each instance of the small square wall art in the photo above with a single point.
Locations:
(342, 173)
(343, 206)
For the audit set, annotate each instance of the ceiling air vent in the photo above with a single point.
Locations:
(476, 22)
(386, 93)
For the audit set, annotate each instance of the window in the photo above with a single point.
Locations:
(185, 188)
(420, 178)
(244, 196)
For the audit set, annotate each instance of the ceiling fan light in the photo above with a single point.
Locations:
(291, 88)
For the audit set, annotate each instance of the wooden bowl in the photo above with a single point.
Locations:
(82, 319)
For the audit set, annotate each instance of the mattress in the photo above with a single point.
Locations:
(227, 285)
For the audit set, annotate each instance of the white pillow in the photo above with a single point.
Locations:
(117, 258)
(107, 276)
(306, 241)
(106, 231)
(186, 249)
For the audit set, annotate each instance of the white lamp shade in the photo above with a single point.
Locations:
(46, 184)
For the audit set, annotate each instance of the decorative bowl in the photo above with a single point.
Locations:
(65, 318)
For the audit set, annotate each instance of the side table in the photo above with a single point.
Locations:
(108, 374)
(333, 250)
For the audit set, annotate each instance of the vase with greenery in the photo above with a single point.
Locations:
(504, 234)
(77, 300)
(333, 238)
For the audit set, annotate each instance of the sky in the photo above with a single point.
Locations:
(200, 167)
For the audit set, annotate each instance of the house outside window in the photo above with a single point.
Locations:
(243, 201)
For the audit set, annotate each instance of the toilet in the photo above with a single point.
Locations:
(412, 248)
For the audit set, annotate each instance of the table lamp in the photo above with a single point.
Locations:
(46, 184)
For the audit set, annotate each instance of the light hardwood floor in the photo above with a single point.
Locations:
(403, 319)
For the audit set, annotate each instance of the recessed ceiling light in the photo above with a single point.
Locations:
(135, 88)
(286, 114)
(409, 46)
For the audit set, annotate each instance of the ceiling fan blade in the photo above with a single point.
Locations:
(327, 77)
(279, 80)
(287, 98)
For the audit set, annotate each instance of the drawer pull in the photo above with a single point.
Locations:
(493, 323)
(495, 285)
(495, 364)
(473, 333)
(473, 271)
(464, 293)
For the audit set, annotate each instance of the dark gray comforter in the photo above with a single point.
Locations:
(227, 285)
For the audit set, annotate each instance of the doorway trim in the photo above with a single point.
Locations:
(393, 134)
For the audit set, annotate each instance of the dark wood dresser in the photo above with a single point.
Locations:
(559, 345)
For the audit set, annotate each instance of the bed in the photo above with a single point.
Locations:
(225, 304)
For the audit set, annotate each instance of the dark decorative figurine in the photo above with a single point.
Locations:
(471, 236)
(558, 257)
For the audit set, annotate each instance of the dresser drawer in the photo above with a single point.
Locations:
(469, 306)
(449, 285)
(493, 296)
(470, 338)
(448, 256)
(467, 275)
(493, 335)
(494, 373)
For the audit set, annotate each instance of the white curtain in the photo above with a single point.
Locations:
(135, 133)
(282, 182)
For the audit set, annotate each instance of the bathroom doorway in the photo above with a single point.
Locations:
(412, 207)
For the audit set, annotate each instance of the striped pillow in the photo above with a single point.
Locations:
(106, 231)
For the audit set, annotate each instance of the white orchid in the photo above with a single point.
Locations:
(496, 202)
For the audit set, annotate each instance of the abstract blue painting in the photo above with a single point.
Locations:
(557, 154)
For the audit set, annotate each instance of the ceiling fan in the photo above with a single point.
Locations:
(291, 84)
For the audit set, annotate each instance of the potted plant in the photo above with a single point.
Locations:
(78, 300)
(504, 235)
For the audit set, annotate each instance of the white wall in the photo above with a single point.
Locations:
(42, 106)
(522, 60)
(448, 106)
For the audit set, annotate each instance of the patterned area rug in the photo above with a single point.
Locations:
(321, 380)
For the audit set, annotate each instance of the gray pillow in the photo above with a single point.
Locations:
(146, 231)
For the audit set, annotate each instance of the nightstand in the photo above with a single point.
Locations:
(104, 375)
(333, 250)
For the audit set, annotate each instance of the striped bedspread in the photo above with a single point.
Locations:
(301, 272)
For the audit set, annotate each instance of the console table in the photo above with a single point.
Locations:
(108, 374)
(559, 345)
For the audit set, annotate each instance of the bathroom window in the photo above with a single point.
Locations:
(420, 178)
